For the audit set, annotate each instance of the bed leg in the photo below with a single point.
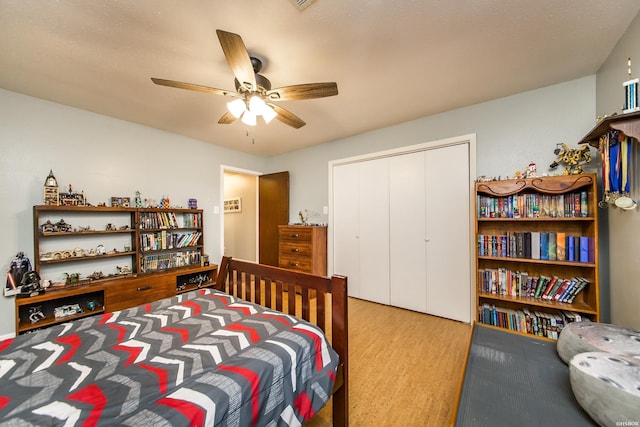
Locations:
(340, 408)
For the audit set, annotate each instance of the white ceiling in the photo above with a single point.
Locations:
(393, 60)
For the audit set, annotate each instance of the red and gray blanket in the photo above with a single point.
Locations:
(200, 358)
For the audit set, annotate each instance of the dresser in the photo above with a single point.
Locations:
(303, 248)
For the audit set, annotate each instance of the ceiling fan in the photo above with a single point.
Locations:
(254, 96)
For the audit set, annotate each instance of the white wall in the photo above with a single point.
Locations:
(624, 237)
(104, 157)
(511, 132)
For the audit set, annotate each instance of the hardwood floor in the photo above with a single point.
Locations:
(405, 367)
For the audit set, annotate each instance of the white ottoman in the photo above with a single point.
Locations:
(607, 386)
(582, 337)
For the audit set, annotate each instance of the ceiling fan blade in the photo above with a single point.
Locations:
(191, 86)
(226, 119)
(238, 58)
(303, 91)
(287, 117)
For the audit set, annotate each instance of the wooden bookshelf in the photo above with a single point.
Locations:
(123, 232)
(508, 213)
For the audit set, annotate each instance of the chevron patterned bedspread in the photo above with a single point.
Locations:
(200, 358)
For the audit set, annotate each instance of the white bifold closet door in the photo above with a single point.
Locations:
(401, 230)
(448, 232)
(361, 252)
(429, 232)
(407, 231)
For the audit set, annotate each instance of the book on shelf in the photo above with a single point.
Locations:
(571, 253)
(552, 246)
(586, 249)
(531, 205)
(542, 283)
(540, 323)
(527, 244)
(535, 245)
(503, 281)
(520, 245)
(561, 246)
(549, 287)
(544, 245)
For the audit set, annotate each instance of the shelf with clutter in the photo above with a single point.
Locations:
(91, 259)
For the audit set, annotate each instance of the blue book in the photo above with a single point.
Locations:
(571, 248)
(584, 249)
(544, 245)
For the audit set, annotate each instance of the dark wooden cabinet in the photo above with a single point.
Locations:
(303, 248)
(110, 294)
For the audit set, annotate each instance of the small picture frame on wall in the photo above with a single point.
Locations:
(233, 205)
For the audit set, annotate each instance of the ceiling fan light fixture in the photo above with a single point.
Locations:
(256, 105)
(248, 118)
(236, 107)
(268, 113)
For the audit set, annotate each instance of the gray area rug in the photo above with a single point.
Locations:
(514, 380)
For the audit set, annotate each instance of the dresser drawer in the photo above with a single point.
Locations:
(295, 234)
(130, 293)
(299, 263)
(296, 249)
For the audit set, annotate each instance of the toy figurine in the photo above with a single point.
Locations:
(35, 314)
(572, 158)
(30, 284)
(19, 266)
(531, 171)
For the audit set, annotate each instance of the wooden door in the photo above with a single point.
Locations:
(448, 232)
(273, 210)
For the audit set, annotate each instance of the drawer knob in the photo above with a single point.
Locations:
(295, 250)
(295, 235)
(293, 264)
(144, 288)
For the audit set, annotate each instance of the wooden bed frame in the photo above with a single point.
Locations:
(317, 299)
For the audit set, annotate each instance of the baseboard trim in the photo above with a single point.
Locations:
(7, 336)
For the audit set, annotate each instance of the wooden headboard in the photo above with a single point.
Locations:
(317, 299)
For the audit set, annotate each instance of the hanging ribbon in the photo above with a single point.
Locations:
(604, 152)
(614, 162)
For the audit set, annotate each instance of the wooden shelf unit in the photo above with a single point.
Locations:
(628, 123)
(164, 238)
(587, 302)
(62, 244)
(113, 291)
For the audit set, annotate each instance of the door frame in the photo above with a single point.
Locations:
(227, 168)
(470, 140)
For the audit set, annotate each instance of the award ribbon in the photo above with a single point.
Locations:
(614, 162)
